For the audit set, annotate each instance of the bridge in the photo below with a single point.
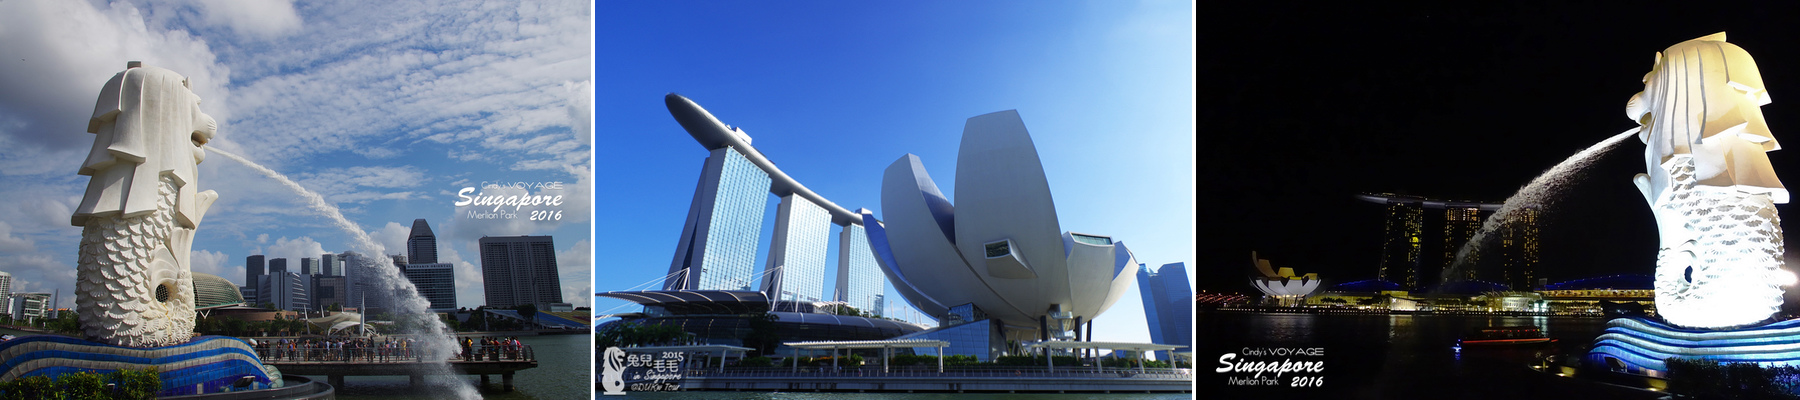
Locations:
(335, 364)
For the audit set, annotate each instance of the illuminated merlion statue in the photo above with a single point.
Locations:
(133, 285)
(1710, 185)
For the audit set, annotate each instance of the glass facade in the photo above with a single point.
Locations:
(1168, 305)
(728, 261)
(860, 282)
(1093, 240)
(435, 282)
(519, 270)
(999, 249)
(802, 235)
(981, 339)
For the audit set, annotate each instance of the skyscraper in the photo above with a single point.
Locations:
(333, 266)
(1519, 250)
(1168, 305)
(436, 283)
(859, 280)
(796, 268)
(253, 272)
(421, 245)
(518, 270)
(1401, 244)
(717, 249)
(309, 266)
(328, 291)
(5, 286)
(285, 290)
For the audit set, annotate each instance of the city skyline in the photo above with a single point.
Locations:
(1440, 101)
(832, 101)
(388, 111)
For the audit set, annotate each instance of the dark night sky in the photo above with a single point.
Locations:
(1303, 107)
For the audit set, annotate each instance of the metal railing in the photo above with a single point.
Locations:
(297, 353)
(958, 371)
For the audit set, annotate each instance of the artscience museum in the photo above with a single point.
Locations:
(996, 259)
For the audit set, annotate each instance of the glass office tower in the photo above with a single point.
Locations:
(1168, 305)
(717, 250)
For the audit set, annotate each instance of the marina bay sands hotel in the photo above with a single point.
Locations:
(719, 240)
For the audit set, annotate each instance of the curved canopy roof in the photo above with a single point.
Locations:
(697, 301)
(211, 291)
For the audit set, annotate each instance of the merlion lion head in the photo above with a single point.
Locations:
(147, 122)
(1710, 185)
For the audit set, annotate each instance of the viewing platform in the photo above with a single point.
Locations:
(335, 364)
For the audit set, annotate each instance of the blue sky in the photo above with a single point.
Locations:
(833, 92)
(385, 108)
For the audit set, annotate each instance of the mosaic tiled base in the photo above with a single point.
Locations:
(208, 364)
(1640, 345)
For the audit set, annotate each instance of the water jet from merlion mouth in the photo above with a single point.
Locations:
(1540, 195)
(408, 303)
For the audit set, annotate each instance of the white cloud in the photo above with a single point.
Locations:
(347, 185)
(260, 18)
(392, 237)
(13, 244)
(59, 53)
(216, 263)
(293, 250)
(470, 291)
(576, 266)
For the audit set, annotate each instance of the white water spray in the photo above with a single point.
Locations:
(1539, 194)
(407, 304)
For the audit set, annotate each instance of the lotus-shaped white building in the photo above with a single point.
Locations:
(1283, 285)
(999, 247)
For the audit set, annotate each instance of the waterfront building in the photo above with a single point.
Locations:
(30, 306)
(331, 265)
(1281, 286)
(519, 270)
(212, 291)
(284, 290)
(724, 317)
(253, 272)
(718, 242)
(1168, 305)
(720, 236)
(359, 276)
(6, 280)
(266, 294)
(859, 280)
(309, 266)
(796, 268)
(1421, 239)
(1036, 283)
(999, 247)
(436, 282)
(421, 244)
(330, 290)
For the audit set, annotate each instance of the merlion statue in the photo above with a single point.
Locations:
(1710, 185)
(133, 285)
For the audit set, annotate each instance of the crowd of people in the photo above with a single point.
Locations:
(383, 349)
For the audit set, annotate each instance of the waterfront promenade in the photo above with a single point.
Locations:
(986, 379)
(336, 363)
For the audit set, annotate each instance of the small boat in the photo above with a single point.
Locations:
(1505, 335)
